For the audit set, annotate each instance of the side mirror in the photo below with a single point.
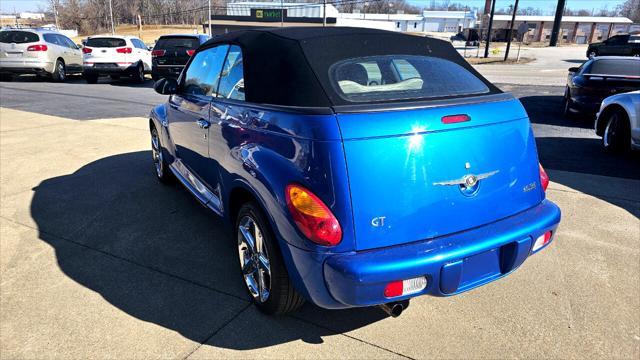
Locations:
(149, 48)
(166, 86)
(574, 69)
(79, 46)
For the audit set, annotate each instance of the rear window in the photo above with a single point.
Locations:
(18, 37)
(402, 77)
(177, 42)
(615, 67)
(106, 42)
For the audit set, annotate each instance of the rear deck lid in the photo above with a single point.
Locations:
(422, 173)
(106, 49)
(174, 49)
(14, 43)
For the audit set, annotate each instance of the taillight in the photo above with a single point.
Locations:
(86, 50)
(39, 47)
(156, 53)
(544, 178)
(191, 52)
(541, 241)
(124, 50)
(405, 287)
(312, 216)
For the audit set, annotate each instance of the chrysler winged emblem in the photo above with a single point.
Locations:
(467, 180)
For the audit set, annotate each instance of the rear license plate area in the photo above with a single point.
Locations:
(105, 66)
(480, 268)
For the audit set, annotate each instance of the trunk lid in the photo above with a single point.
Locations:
(106, 50)
(404, 168)
(175, 48)
(14, 44)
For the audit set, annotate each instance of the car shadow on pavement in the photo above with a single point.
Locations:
(547, 110)
(153, 252)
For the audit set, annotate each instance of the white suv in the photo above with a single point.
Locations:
(46, 53)
(116, 56)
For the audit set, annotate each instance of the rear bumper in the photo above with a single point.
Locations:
(166, 71)
(588, 104)
(452, 264)
(25, 66)
(116, 68)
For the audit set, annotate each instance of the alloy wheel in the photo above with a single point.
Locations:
(156, 152)
(254, 259)
(61, 71)
(611, 131)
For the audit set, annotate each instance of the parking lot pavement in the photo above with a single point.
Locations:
(97, 259)
(549, 67)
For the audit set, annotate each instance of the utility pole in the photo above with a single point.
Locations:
(209, 19)
(281, 13)
(556, 23)
(324, 13)
(55, 13)
(113, 28)
(513, 20)
(493, 10)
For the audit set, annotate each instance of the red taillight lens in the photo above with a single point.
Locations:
(156, 53)
(544, 178)
(39, 47)
(312, 216)
(452, 119)
(542, 240)
(393, 289)
(191, 52)
(86, 50)
(124, 50)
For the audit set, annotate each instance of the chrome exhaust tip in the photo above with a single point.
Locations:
(394, 309)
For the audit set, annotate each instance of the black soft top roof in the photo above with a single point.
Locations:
(289, 66)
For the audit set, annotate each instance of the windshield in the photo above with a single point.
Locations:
(167, 43)
(629, 66)
(402, 77)
(18, 37)
(106, 42)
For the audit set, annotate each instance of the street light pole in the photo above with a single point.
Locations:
(324, 13)
(513, 19)
(209, 20)
(493, 10)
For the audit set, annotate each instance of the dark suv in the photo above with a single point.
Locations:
(172, 52)
(620, 45)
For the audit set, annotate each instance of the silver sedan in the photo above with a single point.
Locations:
(618, 122)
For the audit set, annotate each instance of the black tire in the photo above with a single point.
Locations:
(163, 173)
(567, 105)
(155, 77)
(616, 137)
(6, 77)
(91, 78)
(138, 75)
(59, 72)
(282, 296)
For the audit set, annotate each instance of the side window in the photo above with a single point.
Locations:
(232, 77)
(52, 39)
(70, 44)
(405, 70)
(201, 77)
(139, 44)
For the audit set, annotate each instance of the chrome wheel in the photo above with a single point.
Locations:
(61, 72)
(156, 152)
(254, 259)
(611, 131)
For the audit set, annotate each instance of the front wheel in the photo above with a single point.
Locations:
(261, 264)
(617, 136)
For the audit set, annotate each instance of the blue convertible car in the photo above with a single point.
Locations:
(358, 167)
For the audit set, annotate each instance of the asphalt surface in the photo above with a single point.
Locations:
(98, 260)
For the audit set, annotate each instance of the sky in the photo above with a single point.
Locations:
(547, 6)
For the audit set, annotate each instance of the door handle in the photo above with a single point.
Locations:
(204, 124)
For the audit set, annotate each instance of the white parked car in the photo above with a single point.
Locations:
(45, 53)
(618, 122)
(116, 56)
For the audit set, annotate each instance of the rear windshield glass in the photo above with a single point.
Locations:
(629, 66)
(106, 42)
(177, 42)
(18, 37)
(402, 77)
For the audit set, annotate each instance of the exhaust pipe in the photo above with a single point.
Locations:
(394, 309)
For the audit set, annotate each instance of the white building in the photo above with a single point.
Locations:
(428, 21)
(32, 16)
